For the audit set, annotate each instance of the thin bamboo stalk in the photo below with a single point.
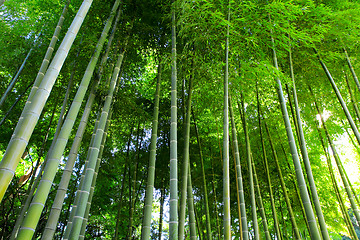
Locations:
(352, 70)
(191, 211)
(185, 163)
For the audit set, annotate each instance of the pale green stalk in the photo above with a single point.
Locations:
(31, 112)
(352, 98)
(275, 218)
(226, 171)
(341, 100)
(339, 165)
(89, 174)
(352, 70)
(146, 221)
(306, 160)
(88, 205)
(50, 227)
(82, 179)
(250, 173)
(207, 215)
(173, 223)
(287, 201)
(240, 187)
(314, 231)
(192, 222)
(260, 202)
(43, 190)
(185, 163)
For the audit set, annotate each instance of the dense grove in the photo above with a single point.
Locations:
(202, 119)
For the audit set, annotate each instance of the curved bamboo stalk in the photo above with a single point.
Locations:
(240, 186)
(31, 112)
(173, 223)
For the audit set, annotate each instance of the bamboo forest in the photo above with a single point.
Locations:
(179, 119)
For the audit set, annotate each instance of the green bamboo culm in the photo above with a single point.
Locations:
(207, 215)
(32, 110)
(82, 179)
(250, 173)
(287, 200)
(55, 154)
(94, 152)
(305, 156)
(145, 229)
(93, 183)
(191, 209)
(275, 218)
(240, 187)
(39, 77)
(352, 70)
(184, 185)
(314, 231)
(226, 171)
(339, 165)
(341, 100)
(173, 223)
(343, 209)
(50, 227)
(260, 202)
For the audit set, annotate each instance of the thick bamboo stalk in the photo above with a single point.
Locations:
(38, 202)
(273, 208)
(145, 229)
(89, 174)
(64, 182)
(96, 173)
(306, 160)
(31, 112)
(287, 201)
(173, 223)
(240, 186)
(185, 170)
(314, 231)
(226, 171)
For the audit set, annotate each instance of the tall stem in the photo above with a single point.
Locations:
(173, 223)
